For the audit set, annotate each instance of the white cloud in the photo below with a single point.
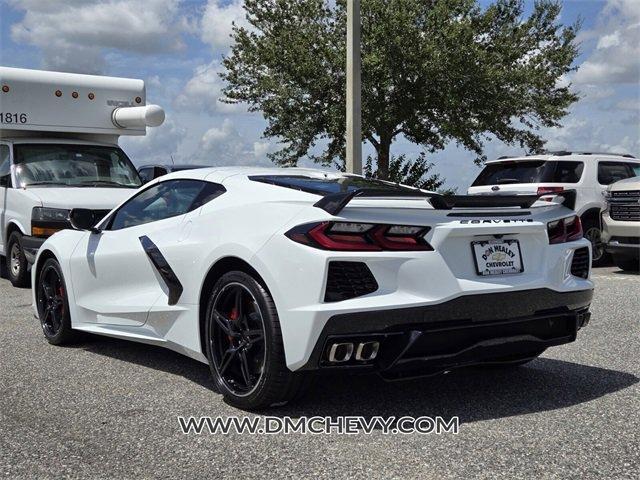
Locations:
(74, 35)
(217, 22)
(204, 90)
(629, 104)
(260, 149)
(625, 145)
(225, 145)
(595, 93)
(609, 41)
(615, 57)
(571, 135)
(158, 146)
(589, 133)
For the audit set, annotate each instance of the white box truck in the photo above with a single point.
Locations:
(59, 150)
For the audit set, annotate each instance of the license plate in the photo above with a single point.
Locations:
(497, 257)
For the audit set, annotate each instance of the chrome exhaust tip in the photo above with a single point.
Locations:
(340, 352)
(367, 351)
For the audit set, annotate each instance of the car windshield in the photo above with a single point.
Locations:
(325, 186)
(72, 165)
(504, 173)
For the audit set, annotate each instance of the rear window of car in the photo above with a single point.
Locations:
(325, 186)
(611, 172)
(534, 171)
(504, 173)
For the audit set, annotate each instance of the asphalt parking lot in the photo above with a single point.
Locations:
(108, 409)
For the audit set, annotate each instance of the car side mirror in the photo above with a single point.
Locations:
(83, 219)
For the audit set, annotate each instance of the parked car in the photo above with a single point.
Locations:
(59, 150)
(151, 172)
(588, 173)
(621, 220)
(272, 275)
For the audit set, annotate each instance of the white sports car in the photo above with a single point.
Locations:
(271, 275)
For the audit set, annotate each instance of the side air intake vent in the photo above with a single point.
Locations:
(580, 263)
(349, 280)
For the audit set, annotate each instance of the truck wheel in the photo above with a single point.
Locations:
(628, 264)
(17, 266)
(593, 233)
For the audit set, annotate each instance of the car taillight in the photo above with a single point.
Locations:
(360, 237)
(565, 230)
(549, 190)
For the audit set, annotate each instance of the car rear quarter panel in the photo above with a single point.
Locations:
(296, 274)
(228, 229)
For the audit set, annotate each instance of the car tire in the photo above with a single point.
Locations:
(627, 264)
(53, 305)
(593, 232)
(248, 367)
(16, 262)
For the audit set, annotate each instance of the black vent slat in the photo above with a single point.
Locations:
(349, 280)
(580, 263)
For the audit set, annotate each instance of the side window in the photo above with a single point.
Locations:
(146, 174)
(636, 169)
(165, 200)
(611, 172)
(5, 166)
(159, 172)
(568, 172)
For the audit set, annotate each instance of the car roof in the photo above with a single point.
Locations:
(567, 157)
(219, 174)
(173, 168)
(177, 168)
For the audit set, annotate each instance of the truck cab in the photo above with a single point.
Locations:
(59, 150)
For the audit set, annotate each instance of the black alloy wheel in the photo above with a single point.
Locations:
(244, 345)
(51, 300)
(53, 305)
(237, 342)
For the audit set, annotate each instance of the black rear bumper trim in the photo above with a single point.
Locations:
(515, 319)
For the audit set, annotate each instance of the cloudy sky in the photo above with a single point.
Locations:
(176, 47)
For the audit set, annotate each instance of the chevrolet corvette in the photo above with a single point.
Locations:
(271, 276)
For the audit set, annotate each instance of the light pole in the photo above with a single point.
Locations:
(354, 103)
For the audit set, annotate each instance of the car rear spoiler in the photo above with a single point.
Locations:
(334, 203)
